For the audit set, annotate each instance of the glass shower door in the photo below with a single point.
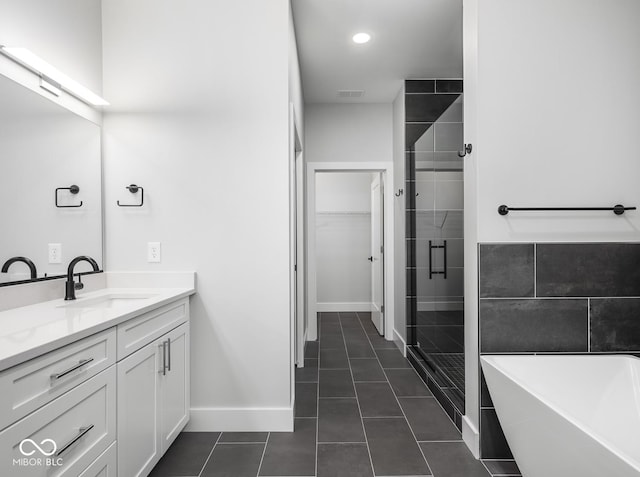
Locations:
(439, 251)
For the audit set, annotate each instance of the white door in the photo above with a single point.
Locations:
(377, 253)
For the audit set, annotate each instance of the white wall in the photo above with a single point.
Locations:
(348, 132)
(400, 257)
(65, 33)
(551, 108)
(200, 119)
(564, 131)
(343, 241)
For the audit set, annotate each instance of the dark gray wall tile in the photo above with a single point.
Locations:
(427, 107)
(485, 397)
(420, 86)
(237, 460)
(413, 132)
(493, 444)
(588, 269)
(449, 86)
(394, 451)
(452, 459)
(344, 460)
(428, 421)
(615, 324)
(508, 326)
(506, 270)
(339, 421)
(291, 453)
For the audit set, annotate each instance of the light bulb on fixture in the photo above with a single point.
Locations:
(361, 37)
(41, 67)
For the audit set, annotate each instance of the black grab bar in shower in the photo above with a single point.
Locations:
(616, 209)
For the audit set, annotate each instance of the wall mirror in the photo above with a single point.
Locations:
(44, 147)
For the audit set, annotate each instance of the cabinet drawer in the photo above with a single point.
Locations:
(66, 435)
(32, 384)
(104, 466)
(140, 331)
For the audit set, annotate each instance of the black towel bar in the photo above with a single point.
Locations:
(616, 209)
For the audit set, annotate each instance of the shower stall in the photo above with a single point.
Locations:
(435, 244)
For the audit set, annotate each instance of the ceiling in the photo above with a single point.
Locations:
(409, 39)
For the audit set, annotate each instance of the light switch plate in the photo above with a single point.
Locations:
(55, 253)
(154, 254)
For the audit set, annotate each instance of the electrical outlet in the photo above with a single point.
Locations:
(153, 252)
(55, 253)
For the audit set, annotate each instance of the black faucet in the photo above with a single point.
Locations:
(70, 285)
(30, 264)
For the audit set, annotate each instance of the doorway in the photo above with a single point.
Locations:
(350, 225)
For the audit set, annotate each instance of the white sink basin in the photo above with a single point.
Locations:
(108, 301)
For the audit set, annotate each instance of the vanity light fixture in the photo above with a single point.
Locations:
(361, 37)
(50, 75)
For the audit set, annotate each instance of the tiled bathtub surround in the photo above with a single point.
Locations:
(554, 298)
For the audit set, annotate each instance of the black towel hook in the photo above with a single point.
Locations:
(467, 150)
(134, 189)
(73, 189)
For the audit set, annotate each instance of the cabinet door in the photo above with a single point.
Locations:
(105, 465)
(139, 447)
(174, 384)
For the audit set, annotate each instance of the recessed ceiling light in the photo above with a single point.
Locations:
(361, 37)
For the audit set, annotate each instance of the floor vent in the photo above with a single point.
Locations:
(350, 93)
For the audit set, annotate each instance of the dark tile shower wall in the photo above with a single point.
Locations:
(425, 102)
(554, 298)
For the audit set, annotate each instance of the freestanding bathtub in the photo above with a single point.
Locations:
(568, 416)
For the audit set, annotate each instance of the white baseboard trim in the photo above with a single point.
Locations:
(217, 419)
(471, 436)
(400, 343)
(347, 306)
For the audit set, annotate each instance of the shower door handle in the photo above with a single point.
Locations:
(444, 249)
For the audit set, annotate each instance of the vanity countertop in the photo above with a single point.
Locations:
(30, 331)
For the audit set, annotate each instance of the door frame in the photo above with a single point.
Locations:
(386, 168)
(296, 246)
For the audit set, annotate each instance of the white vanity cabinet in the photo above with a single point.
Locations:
(106, 405)
(153, 392)
(70, 432)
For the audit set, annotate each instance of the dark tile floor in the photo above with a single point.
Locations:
(361, 410)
